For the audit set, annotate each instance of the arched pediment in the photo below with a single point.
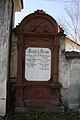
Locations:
(39, 22)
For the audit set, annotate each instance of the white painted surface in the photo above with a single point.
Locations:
(37, 64)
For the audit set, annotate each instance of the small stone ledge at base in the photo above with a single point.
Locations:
(39, 109)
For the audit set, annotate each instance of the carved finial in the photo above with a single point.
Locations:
(39, 11)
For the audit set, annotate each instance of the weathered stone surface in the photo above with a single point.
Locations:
(64, 65)
(69, 77)
(14, 55)
(74, 96)
(5, 18)
(64, 96)
(3, 89)
(2, 107)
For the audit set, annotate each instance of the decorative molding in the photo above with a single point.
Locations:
(40, 26)
(39, 11)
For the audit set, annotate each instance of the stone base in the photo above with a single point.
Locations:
(39, 109)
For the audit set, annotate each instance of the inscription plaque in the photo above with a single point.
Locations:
(37, 64)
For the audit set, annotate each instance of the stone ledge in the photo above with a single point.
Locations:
(38, 109)
(72, 54)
